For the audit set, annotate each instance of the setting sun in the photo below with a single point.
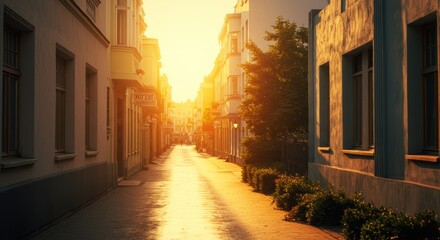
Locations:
(188, 39)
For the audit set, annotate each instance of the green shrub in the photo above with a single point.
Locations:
(266, 180)
(255, 178)
(327, 207)
(298, 212)
(368, 222)
(290, 189)
(261, 152)
(261, 179)
(247, 173)
(427, 225)
(355, 218)
(244, 174)
(387, 225)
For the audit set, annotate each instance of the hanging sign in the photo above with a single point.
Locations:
(145, 99)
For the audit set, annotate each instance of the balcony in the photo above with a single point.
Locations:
(125, 65)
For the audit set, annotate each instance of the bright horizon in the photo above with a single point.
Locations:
(187, 32)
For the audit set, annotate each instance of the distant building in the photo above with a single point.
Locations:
(373, 100)
(152, 106)
(182, 117)
(166, 125)
(203, 116)
(249, 22)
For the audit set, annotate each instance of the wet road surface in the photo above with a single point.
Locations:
(183, 195)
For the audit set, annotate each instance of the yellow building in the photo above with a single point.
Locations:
(181, 115)
(203, 117)
(136, 83)
(151, 107)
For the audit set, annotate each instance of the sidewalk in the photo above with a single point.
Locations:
(183, 195)
(255, 210)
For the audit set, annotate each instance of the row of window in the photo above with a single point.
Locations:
(17, 82)
(358, 95)
(64, 103)
(232, 87)
(244, 39)
(121, 16)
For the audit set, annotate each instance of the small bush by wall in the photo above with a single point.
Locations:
(327, 207)
(308, 202)
(290, 189)
(365, 221)
(265, 182)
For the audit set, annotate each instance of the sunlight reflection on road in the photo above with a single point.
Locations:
(191, 212)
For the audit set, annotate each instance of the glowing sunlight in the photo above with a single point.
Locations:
(188, 39)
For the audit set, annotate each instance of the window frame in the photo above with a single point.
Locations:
(60, 102)
(66, 124)
(324, 105)
(358, 101)
(122, 19)
(430, 70)
(90, 109)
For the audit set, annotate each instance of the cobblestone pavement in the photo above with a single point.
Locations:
(183, 195)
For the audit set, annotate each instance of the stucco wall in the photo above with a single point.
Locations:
(336, 35)
(36, 194)
(401, 195)
(396, 182)
(61, 27)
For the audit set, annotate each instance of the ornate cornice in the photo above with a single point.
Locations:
(85, 20)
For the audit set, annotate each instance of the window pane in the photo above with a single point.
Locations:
(87, 122)
(357, 63)
(61, 72)
(5, 128)
(430, 110)
(357, 110)
(10, 48)
(60, 121)
(370, 109)
(430, 46)
(10, 114)
(122, 27)
(13, 114)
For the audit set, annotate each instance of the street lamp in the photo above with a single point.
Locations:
(235, 125)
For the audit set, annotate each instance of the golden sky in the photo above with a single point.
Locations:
(187, 31)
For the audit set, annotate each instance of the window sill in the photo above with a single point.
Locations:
(64, 156)
(13, 162)
(423, 158)
(368, 153)
(324, 149)
(91, 153)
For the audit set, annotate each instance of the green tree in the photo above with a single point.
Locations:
(275, 103)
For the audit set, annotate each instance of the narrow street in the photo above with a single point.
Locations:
(184, 195)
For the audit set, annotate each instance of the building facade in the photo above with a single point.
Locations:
(373, 100)
(55, 151)
(181, 115)
(203, 116)
(167, 127)
(135, 84)
(81, 86)
(249, 22)
(150, 91)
